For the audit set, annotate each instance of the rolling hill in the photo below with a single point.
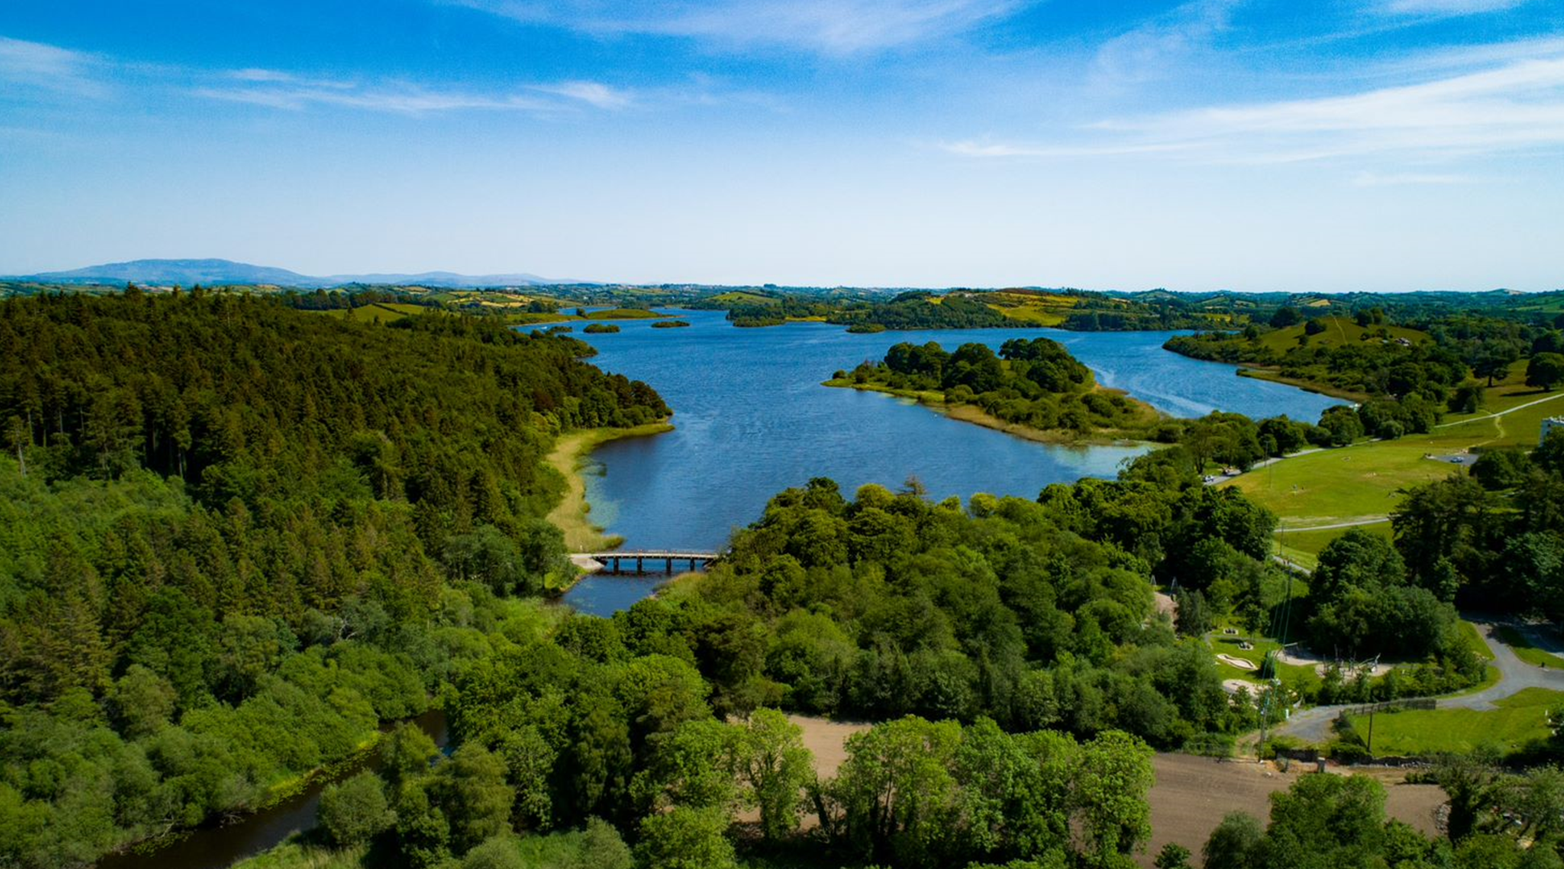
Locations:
(220, 271)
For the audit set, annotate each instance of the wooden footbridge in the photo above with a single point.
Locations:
(637, 561)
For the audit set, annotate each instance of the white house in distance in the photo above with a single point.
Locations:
(1549, 425)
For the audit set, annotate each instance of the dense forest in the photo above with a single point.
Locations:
(237, 538)
(227, 526)
(1492, 540)
(1420, 362)
(1036, 384)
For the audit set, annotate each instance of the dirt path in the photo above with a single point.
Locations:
(1495, 416)
(1366, 520)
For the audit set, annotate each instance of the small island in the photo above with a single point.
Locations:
(600, 329)
(1032, 388)
(670, 324)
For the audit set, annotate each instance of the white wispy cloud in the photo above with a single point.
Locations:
(73, 74)
(1404, 179)
(1445, 8)
(1514, 105)
(279, 89)
(1157, 48)
(832, 27)
(590, 92)
(1002, 150)
(49, 67)
(408, 100)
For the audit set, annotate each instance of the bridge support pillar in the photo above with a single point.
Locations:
(640, 564)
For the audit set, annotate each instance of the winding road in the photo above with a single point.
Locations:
(1313, 725)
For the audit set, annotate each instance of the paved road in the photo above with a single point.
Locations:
(1313, 724)
(1366, 520)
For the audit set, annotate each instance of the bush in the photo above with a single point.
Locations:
(1501, 469)
(686, 839)
(354, 811)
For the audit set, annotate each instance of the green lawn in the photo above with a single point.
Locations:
(380, 312)
(1340, 485)
(740, 297)
(1294, 677)
(1361, 481)
(1304, 546)
(1518, 721)
(624, 314)
(1477, 640)
(1339, 332)
(1527, 651)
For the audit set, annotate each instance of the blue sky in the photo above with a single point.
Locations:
(1239, 144)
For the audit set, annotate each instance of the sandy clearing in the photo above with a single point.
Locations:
(1165, 604)
(1240, 663)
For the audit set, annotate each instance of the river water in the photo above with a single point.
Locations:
(221, 845)
(752, 419)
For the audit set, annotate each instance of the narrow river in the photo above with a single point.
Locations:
(219, 846)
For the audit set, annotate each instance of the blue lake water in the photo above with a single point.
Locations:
(752, 419)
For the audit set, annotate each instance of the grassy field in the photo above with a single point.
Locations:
(741, 297)
(1032, 308)
(1303, 547)
(1339, 332)
(1519, 720)
(624, 314)
(1528, 651)
(571, 452)
(1294, 677)
(1361, 481)
(380, 312)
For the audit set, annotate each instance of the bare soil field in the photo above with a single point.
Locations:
(827, 740)
(1191, 795)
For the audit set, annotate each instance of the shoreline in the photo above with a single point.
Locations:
(972, 414)
(1306, 385)
(572, 450)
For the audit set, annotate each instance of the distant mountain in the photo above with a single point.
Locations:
(446, 279)
(187, 272)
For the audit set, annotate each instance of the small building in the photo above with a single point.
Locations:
(1548, 425)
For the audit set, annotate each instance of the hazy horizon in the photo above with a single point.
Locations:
(1378, 145)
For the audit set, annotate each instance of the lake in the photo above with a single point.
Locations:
(752, 419)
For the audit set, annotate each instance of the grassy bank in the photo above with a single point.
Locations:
(571, 452)
(977, 416)
(1528, 650)
(1274, 376)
